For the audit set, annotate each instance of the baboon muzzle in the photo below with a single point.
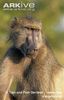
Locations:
(31, 43)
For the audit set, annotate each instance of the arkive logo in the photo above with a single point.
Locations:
(19, 6)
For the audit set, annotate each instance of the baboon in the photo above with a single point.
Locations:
(43, 75)
(43, 78)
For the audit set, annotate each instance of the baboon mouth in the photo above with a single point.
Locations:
(32, 51)
(27, 49)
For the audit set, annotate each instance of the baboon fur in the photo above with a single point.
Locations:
(12, 67)
(44, 74)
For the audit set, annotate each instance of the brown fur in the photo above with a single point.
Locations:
(44, 74)
(10, 71)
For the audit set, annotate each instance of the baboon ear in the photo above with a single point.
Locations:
(14, 22)
(15, 19)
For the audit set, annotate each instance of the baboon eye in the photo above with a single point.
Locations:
(33, 29)
(37, 30)
(27, 28)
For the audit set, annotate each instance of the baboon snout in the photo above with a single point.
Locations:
(30, 44)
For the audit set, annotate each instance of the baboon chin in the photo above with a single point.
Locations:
(32, 61)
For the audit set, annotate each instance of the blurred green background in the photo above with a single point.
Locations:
(50, 12)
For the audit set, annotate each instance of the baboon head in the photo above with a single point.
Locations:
(27, 32)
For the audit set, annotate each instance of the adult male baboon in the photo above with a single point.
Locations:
(44, 75)
(44, 78)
